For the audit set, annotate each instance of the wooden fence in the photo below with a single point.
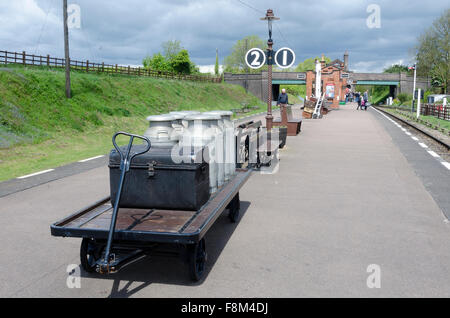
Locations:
(87, 66)
(438, 111)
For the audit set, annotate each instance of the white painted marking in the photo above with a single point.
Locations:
(35, 174)
(421, 144)
(415, 138)
(431, 152)
(446, 164)
(408, 133)
(92, 158)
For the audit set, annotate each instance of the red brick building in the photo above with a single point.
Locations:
(334, 80)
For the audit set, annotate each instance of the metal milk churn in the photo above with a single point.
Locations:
(185, 113)
(219, 141)
(177, 124)
(201, 131)
(161, 132)
(229, 142)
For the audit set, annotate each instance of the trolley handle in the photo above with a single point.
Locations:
(125, 158)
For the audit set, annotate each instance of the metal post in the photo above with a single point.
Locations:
(66, 49)
(414, 89)
(269, 117)
(418, 103)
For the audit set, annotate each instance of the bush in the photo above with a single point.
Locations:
(403, 97)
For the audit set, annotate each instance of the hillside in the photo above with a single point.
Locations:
(40, 128)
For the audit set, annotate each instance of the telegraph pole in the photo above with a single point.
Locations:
(66, 49)
(246, 68)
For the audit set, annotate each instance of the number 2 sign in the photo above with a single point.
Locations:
(255, 58)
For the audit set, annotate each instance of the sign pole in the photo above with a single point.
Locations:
(66, 49)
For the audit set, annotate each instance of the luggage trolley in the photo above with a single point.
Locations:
(113, 238)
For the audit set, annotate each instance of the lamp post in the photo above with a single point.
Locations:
(269, 17)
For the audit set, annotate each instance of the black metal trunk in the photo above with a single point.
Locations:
(156, 181)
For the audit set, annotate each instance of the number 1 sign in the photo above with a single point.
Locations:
(255, 58)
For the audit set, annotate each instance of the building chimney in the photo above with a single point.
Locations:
(322, 61)
(346, 61)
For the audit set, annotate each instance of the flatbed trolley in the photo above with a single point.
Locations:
(139, 232)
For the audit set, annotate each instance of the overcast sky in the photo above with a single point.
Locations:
(124, 32)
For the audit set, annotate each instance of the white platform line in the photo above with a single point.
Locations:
(421, 144)
(431, 152)
(92, 158)
(35, 174)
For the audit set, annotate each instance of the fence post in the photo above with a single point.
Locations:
(128, 69)
(23, 57)
(48, 59)
(103, 66)
(87, 65)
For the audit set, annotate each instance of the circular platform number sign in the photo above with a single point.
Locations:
(285, 57)
(255, 58)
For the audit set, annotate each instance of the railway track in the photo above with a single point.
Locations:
(439, 146)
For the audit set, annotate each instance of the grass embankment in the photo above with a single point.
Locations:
(41, 129)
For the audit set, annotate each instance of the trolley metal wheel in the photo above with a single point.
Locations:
(90, 253)
(234, 207)
(197, 260)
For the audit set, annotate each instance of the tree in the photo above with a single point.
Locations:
(235, 62)
(171, 48)
(175, 59)
(433, 52)
(397, 68)
(310, 64)
(216, 66)
(157, 62)
(181, 63)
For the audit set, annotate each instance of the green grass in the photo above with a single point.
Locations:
(430, 121)
(41, 129)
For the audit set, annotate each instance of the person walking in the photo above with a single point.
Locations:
(366, 99)
(358, 100)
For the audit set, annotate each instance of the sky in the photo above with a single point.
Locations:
(376, 34)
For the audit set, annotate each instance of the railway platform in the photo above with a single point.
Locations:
(357, 208)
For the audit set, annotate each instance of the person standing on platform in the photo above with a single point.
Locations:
(282, 98)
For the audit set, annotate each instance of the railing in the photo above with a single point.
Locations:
(439, 111)
(87, 66)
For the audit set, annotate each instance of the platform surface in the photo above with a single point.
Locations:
(352, 193)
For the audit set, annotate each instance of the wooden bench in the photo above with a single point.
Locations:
(287, 119)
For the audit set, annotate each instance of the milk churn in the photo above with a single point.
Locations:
(229, 142)
(161, 132)
(185, 113)
(201, 131)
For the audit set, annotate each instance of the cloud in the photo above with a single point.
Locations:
(125, 32)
